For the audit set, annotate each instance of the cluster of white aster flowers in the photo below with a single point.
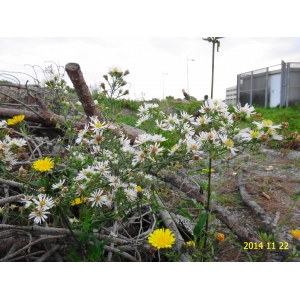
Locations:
(39, 205)
(144, 112)
(213, 129)
(9, 148)
(108, 169)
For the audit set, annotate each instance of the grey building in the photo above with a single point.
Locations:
(231, 95)
(274, 86)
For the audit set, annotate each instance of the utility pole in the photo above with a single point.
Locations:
(164, 84)
(187, 72)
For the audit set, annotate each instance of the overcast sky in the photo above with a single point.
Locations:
(148, 58)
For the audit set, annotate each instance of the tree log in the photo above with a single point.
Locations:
(82, 90)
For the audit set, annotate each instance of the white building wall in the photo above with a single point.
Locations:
(231, 95)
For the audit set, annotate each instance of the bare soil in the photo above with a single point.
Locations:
(273, 181)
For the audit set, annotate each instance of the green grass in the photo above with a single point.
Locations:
(284, 114)
(276, 114)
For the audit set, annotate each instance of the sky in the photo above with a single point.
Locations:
(156, 41)
(158, 66)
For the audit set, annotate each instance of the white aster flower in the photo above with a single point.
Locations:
(142, 119)
(44, 201)
(143, 110)
(247, 110)
(26, 200)
(248, 134)
(96, 125)
(114, 69)
(73, 220)
(20, 142)
(3, 124)
(201, 120)
(158, 138)
(266, 124)
(175, 147)
(141, 139)
(39, 214)
(83, 174)
(131, 194)
(97, 198)
(58, 185)
(101, 167)
(154, 149)
(161, 125)
(139, 157)
(272, 132)
(193, 146)
(228, 143)
(172, 119)
(207, 106)
(81, 133)
(186, 116)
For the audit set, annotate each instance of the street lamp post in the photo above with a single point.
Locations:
(164, 84)
(187, 72)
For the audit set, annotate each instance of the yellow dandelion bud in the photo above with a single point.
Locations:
(191, 244)
(220, 237)
(295, 233)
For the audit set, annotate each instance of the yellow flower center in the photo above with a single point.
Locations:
(42, 203)
(267, 122)
(254, 134)
(98, 125)
(229, 143)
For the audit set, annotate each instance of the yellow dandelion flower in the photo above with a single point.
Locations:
(295, 233)
(220, 237)
(76, 201)
(15, 120)
(43, 165)
(191, 244)
(161, 238)
(139, 189)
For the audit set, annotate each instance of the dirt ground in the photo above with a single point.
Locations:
(272, 180)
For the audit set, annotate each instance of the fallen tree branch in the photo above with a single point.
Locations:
(169, 223)
(124, 254)
(11, 199)
(11, 183)
(258, 210)
(271, 224)
(28, 107)
(6, 258)
(245, 234)
(48, 253)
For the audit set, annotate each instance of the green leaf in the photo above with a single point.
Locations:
(2, 167)
(185, 214)
(197, 204)
(199, 226)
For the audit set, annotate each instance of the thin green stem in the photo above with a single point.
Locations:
(208, 199)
